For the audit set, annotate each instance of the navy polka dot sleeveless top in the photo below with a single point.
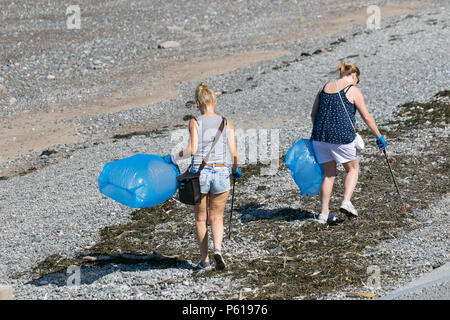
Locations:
(331, 123)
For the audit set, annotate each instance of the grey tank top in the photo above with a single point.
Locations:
(207, 130)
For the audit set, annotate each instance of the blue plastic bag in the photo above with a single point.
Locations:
(140, 181)
(305, 170)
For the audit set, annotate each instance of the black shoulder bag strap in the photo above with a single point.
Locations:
(348, 88)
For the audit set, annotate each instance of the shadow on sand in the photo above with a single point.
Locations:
(88, 272)
(254, 212)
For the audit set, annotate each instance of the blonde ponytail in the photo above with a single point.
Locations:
(204, 95)
(346, 69)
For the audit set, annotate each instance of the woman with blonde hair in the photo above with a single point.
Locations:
(215, 176)
(333, 135)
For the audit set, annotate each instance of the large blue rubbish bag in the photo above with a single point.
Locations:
(306, 171)
(140, 181)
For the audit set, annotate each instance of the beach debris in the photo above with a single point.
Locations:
(338, 41)
(220, 92)
(190, 103)
(270, 284)
(48, 152)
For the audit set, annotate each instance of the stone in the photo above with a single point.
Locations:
(169, 44)
(51, 77)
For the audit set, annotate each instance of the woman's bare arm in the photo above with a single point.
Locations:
(191, 149)
(362, 109)
(232, 145)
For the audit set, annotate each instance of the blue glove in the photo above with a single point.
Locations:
(169, 159)
(381, 143)
(236, 174)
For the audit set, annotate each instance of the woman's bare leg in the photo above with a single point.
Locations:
(202, 227)
(327, 186)
(216, 207)
(352, 168)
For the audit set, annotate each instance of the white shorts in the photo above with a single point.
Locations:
(341, 153)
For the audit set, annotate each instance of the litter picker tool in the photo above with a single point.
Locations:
(393, 178)
(232, 199)
(231, 213)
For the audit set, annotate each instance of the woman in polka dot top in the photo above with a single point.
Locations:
(333, 135)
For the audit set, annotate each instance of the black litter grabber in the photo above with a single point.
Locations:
(393, 178)
(232, 198)
(231, 213)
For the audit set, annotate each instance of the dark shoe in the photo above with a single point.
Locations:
(203, 266)
(220, 263)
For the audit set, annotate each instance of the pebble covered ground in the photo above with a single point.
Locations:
(51, 212)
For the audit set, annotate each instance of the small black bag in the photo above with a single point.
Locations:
(189, 183)
(189, 188)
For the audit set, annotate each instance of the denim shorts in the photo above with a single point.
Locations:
(213, 180)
